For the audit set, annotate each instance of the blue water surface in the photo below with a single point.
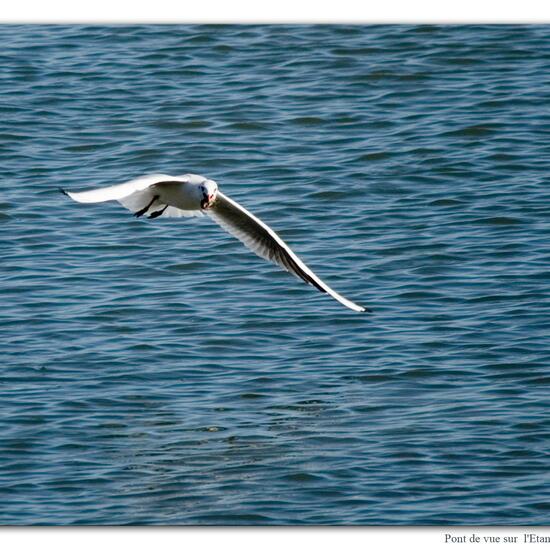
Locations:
(157, 372)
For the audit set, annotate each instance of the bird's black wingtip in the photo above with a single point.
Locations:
(61, 190)
(366, 310)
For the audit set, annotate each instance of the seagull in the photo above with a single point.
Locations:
(160, 195)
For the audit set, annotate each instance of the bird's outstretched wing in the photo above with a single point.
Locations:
(264, 242)
(136, 195)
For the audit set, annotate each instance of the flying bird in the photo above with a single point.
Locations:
(160, 195)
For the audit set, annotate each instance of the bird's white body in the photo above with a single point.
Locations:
(193, 195)
(180, 195)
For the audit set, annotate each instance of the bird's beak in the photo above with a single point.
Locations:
(207, 201)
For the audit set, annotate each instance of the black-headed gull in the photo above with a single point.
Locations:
(192, 195)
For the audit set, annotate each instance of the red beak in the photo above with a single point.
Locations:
(205, 203)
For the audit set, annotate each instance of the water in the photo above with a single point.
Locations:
(156, 372)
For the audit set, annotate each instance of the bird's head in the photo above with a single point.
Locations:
(209, 192)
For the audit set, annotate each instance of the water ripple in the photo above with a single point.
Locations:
(155, 372)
